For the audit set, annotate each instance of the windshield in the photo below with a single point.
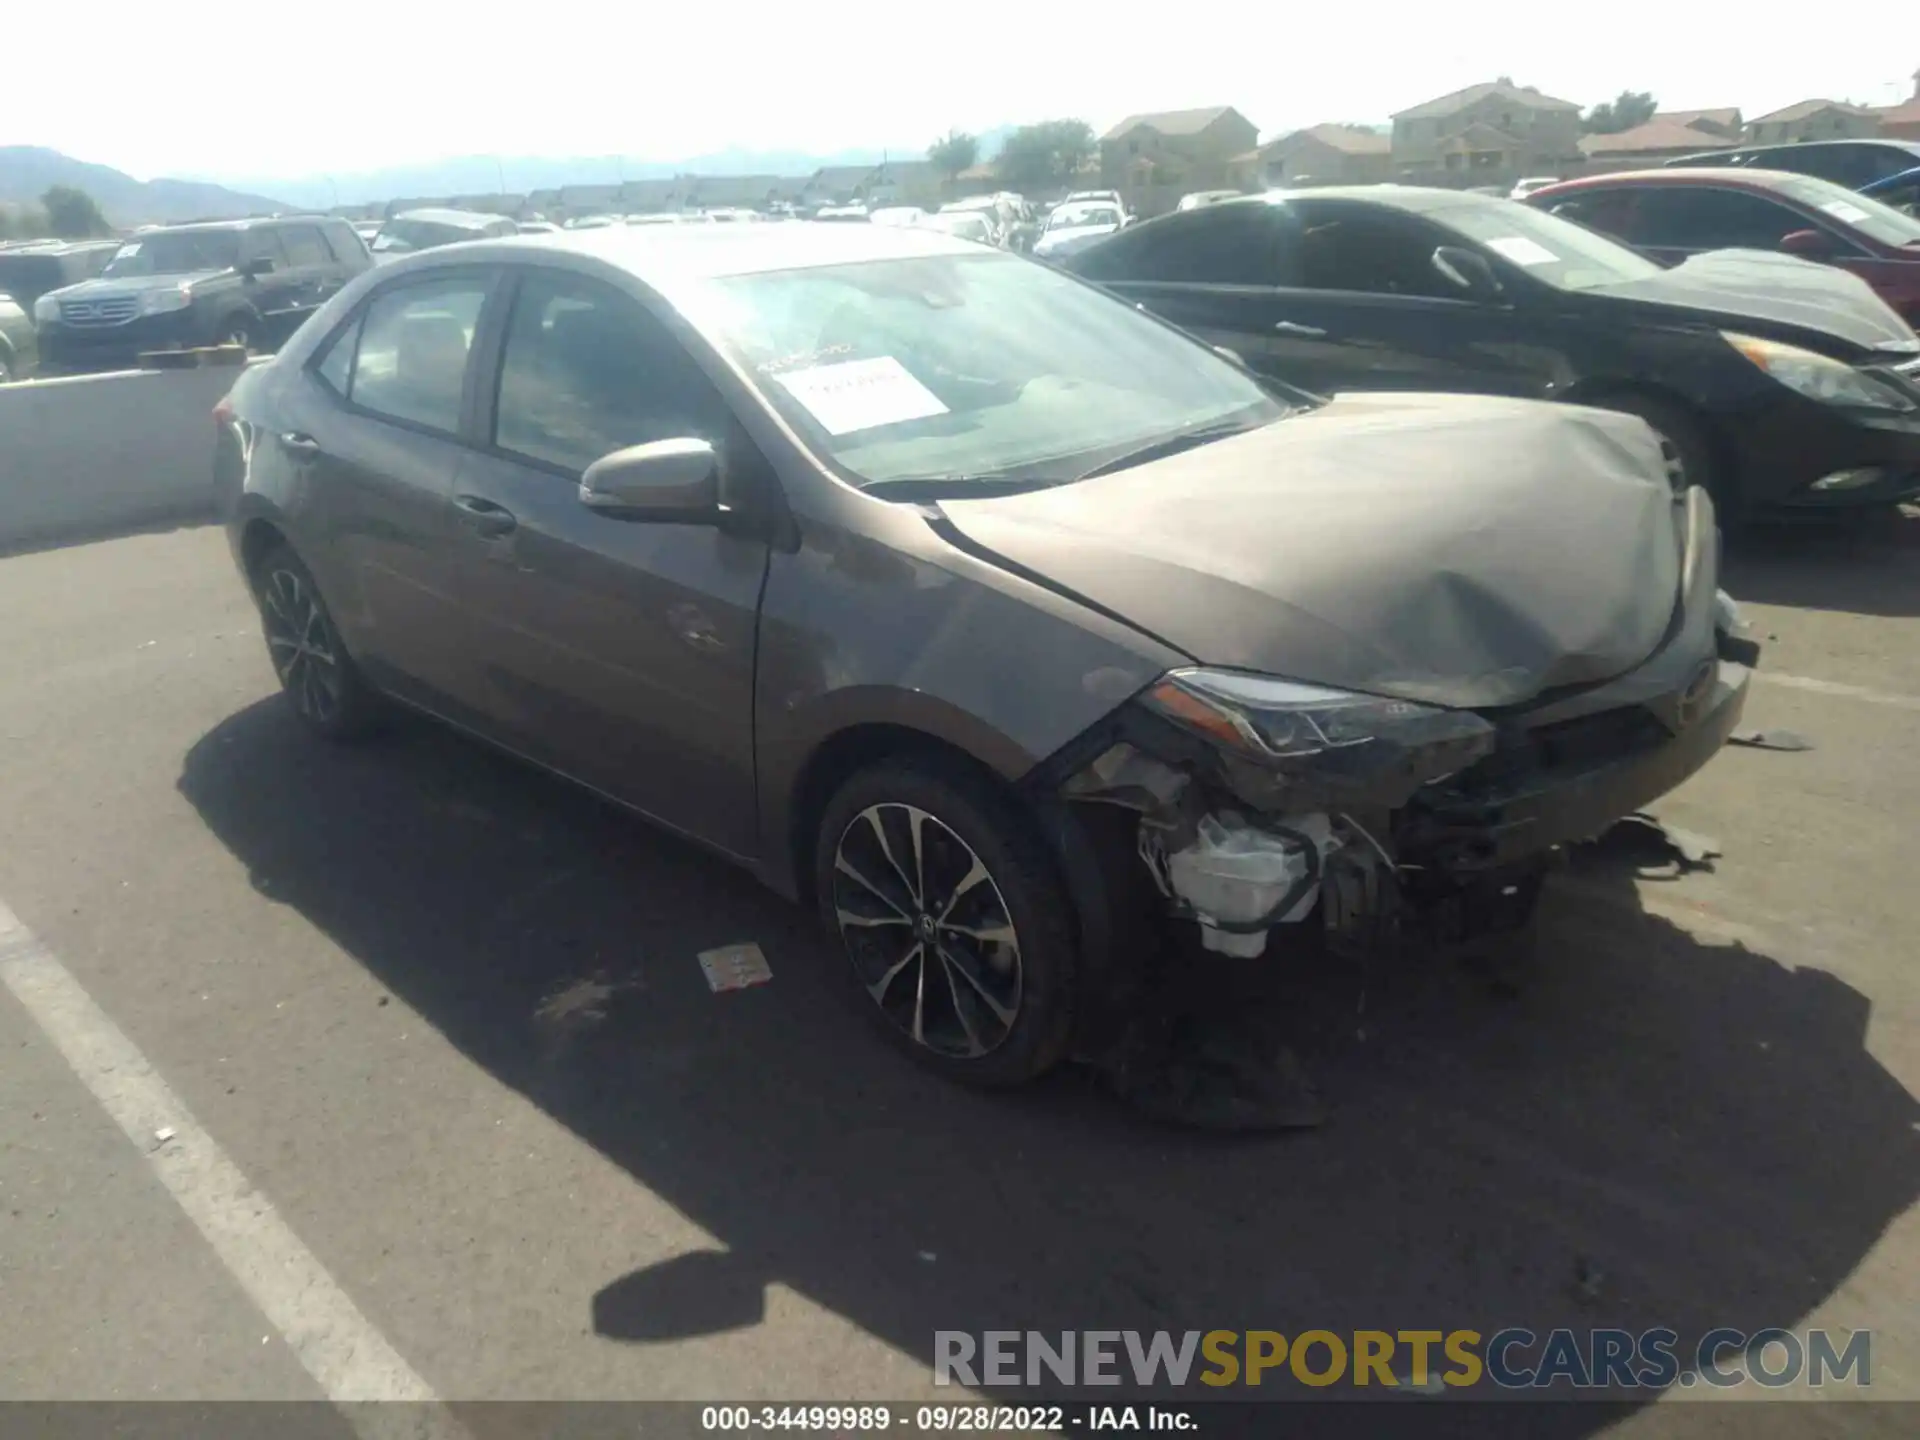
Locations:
(1870, 217)
(177, 252)
(968, 368)
(1083, 215)
(1550, 249)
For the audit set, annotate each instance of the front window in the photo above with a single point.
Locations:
(1869, 216)
(176, 252)
(968, 369)
(1548, 248)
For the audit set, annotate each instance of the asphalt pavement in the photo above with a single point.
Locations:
(391, 1070)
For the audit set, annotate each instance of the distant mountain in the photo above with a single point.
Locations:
(27, 170)
(517, 175)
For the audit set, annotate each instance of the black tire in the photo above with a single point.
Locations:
(989, 1012)
(6, 368)
(1684, 445)
(316, 673)
(241, 328)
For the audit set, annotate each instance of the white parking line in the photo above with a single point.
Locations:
(1835, 687)
(351, 1361)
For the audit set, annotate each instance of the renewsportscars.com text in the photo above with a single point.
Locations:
(1512, 1358)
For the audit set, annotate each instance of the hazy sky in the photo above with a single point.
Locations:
(350, 85)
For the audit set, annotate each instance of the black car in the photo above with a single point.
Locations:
(242, 282)
(30, 268)
(1855, 164)
(1772, 381)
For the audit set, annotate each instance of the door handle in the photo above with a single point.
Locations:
(485, 517)
(1311, 332)
(303, 447)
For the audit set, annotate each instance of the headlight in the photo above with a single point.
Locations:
(1832, 382)
(1335, 735)
(46, 310)
(159, 302)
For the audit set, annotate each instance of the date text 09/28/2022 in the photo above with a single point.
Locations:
(966, 1419)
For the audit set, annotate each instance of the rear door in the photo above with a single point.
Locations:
(619, 652)
(379, 427)
(1217, 272)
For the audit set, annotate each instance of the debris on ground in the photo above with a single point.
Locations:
(1770, 739)
(734, 967)
(1657, 849)
(163, 1135)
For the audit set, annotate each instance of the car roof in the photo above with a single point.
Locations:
(663, 255)
(442, 215)
(1418, 199)
(1743, 177)
(207, 226)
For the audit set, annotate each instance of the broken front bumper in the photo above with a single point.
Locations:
(1540, 789)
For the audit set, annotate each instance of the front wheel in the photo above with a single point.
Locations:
(316, 672)
(953, 920)
(1685, 450)
(240, 330)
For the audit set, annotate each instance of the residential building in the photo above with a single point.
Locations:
(1814, 120)
(1725, 122)
(1154, 159)
(1902, 122)
(1661, 138)
(1325, 154)
(1486, 132)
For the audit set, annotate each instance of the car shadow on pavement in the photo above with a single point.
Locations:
(1862, 565)
(1651, 1130)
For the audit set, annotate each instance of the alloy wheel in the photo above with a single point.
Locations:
(928, 931)
(301, 643)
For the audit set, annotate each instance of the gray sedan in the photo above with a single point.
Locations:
(1029, 640)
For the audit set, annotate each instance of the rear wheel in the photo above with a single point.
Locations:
(953, 920)
(319, 677)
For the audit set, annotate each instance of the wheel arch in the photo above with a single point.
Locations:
(1597, 392)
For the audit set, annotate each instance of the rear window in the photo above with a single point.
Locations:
(1865, 214)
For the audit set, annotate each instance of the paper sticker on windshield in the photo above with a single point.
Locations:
(1522, 251)
(1841, 210)
(860, 394)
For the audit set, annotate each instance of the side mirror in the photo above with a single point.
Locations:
(1468, 271)
(1807, 244)
(259, 265)
(674, 482)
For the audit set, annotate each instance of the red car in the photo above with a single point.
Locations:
(1672, 214)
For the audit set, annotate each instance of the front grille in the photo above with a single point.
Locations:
(107, 310)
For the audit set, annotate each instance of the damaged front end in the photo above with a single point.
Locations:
(1262, 806)
(1265, 803)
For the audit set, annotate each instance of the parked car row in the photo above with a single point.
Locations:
(1772, 382)
(1028, 638)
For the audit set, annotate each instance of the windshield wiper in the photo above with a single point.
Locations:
(1169, 445)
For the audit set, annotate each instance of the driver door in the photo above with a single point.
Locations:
(620, 652)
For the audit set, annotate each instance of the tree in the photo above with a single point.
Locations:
(72, 214)
(1628, 109)
(1049, 153)
(954, 153)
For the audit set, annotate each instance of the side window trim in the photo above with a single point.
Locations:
(491, 277)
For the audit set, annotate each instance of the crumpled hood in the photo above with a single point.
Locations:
(1461, 550)
(1776, 290)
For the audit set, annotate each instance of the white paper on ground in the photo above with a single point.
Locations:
(735, 967)
(1522, 251)
(860, 394)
